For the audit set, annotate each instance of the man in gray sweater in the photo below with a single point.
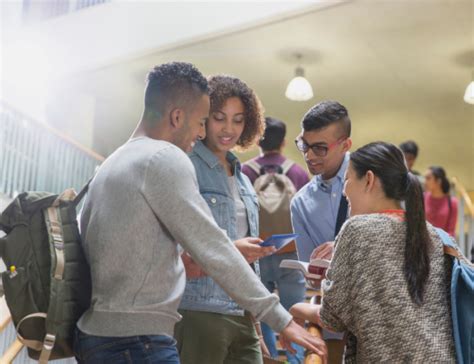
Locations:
(143, 201)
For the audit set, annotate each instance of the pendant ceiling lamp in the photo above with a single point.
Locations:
(469, 94)
(299, 88)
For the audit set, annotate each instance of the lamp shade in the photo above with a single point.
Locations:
(299, 89)
(469, 94)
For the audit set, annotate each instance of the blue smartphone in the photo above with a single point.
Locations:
(279, 240)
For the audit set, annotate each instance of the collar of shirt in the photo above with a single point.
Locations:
(326, 185)
(210, 158)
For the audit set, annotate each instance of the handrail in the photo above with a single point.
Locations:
(37, 157)
(313, 330)
(465, 220)
(313, 358)
(465, 196)
(11, 353)
(58, 133)
(5, 319)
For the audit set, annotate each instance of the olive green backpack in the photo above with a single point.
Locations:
(47, 282)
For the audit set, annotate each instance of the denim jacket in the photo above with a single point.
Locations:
(204, 294)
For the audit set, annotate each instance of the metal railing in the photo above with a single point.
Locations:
(465, 220)
(35, 157)
(34, 11)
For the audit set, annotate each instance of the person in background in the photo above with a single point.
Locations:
(441, 209)
(214, 328)
(388, 282)
(271, 154)
(410, 151)
(289, 282)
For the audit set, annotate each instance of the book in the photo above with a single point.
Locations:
(279, 240)
(315, 269)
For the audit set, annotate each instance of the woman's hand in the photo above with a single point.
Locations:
(193, 270)
(306, 311)
(251, 250)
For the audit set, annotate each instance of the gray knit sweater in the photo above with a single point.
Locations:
(366, 294)
(143, 201)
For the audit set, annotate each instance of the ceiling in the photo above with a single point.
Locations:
(400, 67)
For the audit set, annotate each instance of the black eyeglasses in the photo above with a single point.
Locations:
(320, 150)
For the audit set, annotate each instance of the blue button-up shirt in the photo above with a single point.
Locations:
(314, 211)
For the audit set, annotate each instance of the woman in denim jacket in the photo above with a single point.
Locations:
(214, 329)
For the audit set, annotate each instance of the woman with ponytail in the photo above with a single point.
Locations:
(441, 209)
(388, 282)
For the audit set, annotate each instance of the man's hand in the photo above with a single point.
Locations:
(295, 333)
(193, 270)
(324, 251)
(251, 250)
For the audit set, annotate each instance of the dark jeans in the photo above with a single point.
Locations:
(132, 349)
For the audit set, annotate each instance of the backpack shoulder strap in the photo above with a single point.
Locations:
(82, 192)
(286, 165)
(254, 166)
(449, 248)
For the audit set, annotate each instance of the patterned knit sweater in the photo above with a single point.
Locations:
(366, 294)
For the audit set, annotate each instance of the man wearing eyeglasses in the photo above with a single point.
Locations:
(319, 209)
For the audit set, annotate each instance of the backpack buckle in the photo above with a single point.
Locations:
(48, 342)
(48, 345)
(58, 241)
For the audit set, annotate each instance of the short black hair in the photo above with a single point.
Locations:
(327, 113)
(409, 147)
(173, 83)
(274, 134)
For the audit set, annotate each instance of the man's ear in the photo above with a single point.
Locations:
(177, 117)
(347, 144)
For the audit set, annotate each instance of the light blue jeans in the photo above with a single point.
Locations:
(291, 289)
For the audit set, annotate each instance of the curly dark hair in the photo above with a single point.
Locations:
(223, 87)
(178, 83)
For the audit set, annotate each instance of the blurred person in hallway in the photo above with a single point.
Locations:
(410, 151)
(441, 208)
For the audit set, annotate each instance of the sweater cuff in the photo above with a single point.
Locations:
(329, 320)
(277, 318)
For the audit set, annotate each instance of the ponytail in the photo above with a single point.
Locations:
(418, 242)
(387, 162)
